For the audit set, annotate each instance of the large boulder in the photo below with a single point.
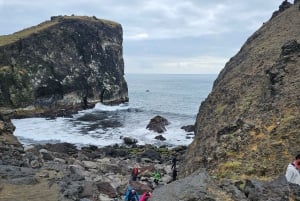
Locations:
(158, 124)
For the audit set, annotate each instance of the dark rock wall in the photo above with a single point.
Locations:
(249, 124)
(72, 61)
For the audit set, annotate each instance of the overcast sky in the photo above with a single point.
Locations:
(159, 36)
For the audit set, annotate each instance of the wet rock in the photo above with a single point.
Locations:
(188, 128)
(157, 124)
(129, 141)
(160, 137)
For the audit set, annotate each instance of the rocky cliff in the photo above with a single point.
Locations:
(66, 62)
(249, 124)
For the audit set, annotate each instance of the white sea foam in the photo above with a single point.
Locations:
(40, 130)
(175, 98)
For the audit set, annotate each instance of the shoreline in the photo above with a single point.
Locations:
(71, 173)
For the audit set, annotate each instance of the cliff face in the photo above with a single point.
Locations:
(64, 62)
(249, 124)
(7, 139)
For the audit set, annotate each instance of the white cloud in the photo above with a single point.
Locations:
(195, 65)
(159, 35)
(140, 36)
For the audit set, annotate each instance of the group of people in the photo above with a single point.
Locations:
(156, 175)
(132, 195)
(292, 175)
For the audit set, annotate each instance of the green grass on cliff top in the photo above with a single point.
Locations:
(8, 39)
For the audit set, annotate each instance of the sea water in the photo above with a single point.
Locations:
(174, 97)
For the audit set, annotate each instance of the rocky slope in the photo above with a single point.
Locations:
(67, 62)
(249, 124)
(61, 172)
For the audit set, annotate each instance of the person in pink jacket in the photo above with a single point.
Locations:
(145, 196)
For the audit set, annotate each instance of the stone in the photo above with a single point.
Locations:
(188, 128)
(157, 124)
(107, 189)
(160, 137)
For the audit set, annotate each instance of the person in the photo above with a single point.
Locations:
(174, 160)
(156, 177)
(292, 174)
(174, 174)
(145, 196)
(134, 173)
(131, 195)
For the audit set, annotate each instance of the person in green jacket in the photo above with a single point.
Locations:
(156, 177)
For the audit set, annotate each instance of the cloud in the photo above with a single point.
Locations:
(159, 35)
(179, 65)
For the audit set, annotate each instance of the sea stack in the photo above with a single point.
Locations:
(66, 62)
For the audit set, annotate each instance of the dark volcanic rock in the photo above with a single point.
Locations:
(68, 62)
(188, 128)
(158, 124)
(160, 137)
(276, 190)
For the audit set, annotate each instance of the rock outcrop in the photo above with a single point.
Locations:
(249, 124)
(67, 62)
(158, 124)
(7, 139)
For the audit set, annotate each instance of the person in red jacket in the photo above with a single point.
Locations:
(134, 173)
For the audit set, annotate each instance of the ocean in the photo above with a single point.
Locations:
(174, 97)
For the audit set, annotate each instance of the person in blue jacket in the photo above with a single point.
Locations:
(131, 195)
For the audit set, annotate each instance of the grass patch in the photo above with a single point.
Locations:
(232, 165)
(8, 39)
(220, 108)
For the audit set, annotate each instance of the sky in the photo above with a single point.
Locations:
(159, 36)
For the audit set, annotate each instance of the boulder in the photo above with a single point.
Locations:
(188, 128)
(157, 124)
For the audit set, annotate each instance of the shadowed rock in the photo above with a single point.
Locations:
(157, 124)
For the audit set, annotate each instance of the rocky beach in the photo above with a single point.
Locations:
(63, 172)
(246, 130)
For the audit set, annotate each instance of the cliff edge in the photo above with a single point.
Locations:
(66, 62)
(249, 124)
